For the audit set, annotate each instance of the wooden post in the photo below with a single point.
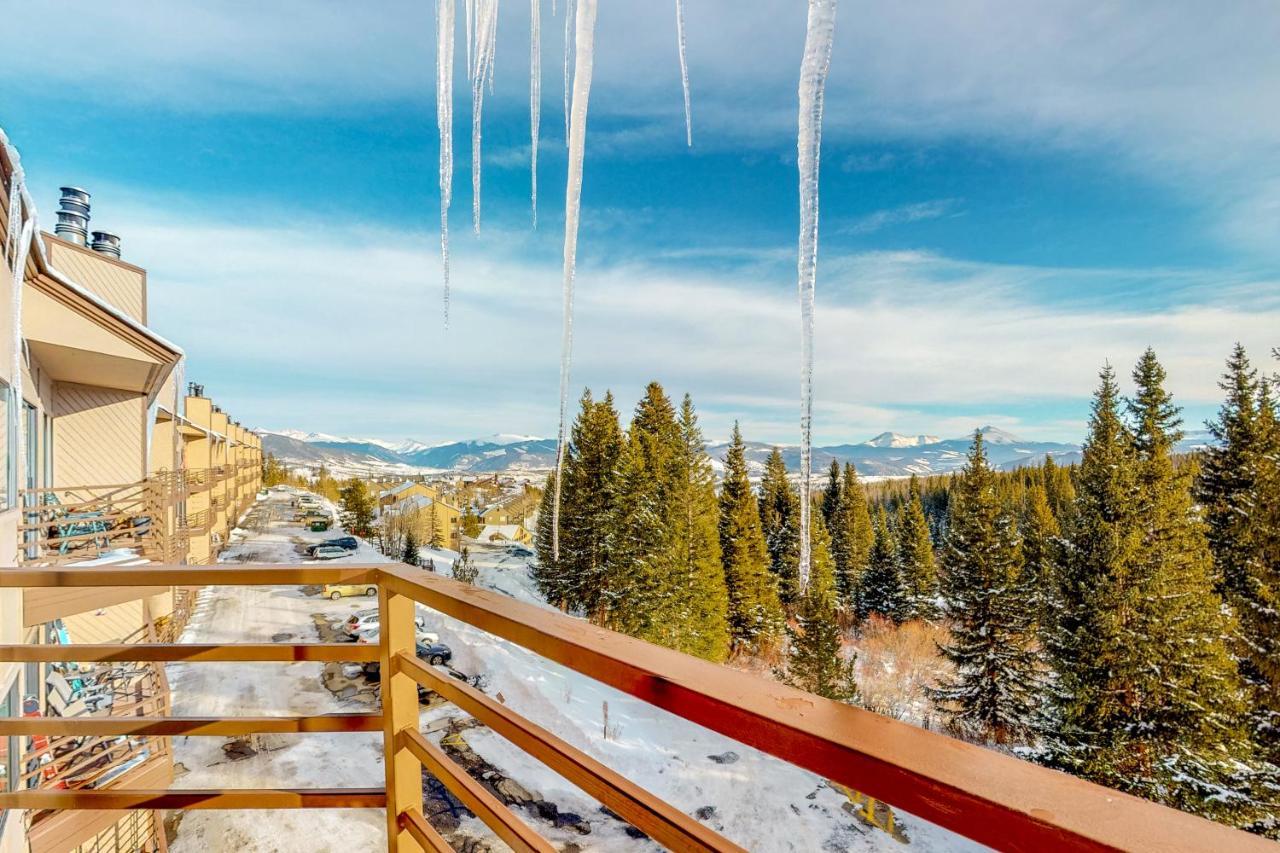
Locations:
(399, 711)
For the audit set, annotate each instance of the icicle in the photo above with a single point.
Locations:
(485, 35)
(813, 78)
(569, 17)
(471, 38)
(18, 258)
(586, 26)
(684, 71)
(493, 46)
(16, 183)
(445, 12)
(535, 98)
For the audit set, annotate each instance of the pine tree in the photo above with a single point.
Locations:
(996, 687)
(882, 590)
(833, 515)
(780, 521)
(1148, 693)
(547, 572)
(1239, 487)
(1040, 545)
(464, 569)
(859, 535)
(273, 472)
(471, 524)
(916, 564)
(411, 555)
(701, 599)
(755, 616)
(590, 488)
(357, 508)
(814, 659)
(1059, 490)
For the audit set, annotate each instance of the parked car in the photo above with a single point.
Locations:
(371, 635)
(346, 543)
(334, 591)
(362, 619)
(329, 552)
(435, 654)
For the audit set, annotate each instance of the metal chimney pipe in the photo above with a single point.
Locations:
(106, 243)
(73, 215)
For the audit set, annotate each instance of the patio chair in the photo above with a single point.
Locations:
(94, 696)
(64, 524)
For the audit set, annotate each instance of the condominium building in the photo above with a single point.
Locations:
(106, 459)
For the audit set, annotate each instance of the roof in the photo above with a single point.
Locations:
(506, 531)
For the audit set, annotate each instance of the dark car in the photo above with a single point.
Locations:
(348, 543)
(433, 653)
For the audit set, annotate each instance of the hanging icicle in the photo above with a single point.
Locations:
(535, 99)
(684, 72)
(813, 78)
(471, 38)
(17, 247)
(569, 18)
(445, 11)
(585, 27)
(486, 42)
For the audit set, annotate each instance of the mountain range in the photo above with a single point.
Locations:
(886, 455)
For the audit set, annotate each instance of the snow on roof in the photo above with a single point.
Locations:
(506, 531)
(395, 490)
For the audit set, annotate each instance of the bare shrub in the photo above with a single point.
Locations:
(896, 666)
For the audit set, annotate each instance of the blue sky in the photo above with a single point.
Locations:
(1011, 194)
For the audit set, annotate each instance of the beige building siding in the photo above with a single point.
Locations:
(122, 285)
(98, 435)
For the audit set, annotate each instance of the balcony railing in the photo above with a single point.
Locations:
(75, 523)
(987, 796)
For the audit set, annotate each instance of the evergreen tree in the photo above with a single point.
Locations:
(780, 521)
(882, 589)
(700, 597)
(590, 489)
(464, 569)
(814, 660)
(997, 685)
(1059, 490)
(273, 472)
(1040, 535)
(357, 508)
(916, 564)
(1148, 693)
(547, 570)
(859, 535)
(410, 554)
(755, 616)
(832, 510)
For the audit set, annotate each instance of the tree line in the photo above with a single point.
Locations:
(1118, 618)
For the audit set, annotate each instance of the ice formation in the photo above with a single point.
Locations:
(813, 79)
(535, 99)
(585, 38)
(684, 71)
(485, 34)
(445, 12)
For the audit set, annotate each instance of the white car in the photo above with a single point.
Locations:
(329, 552)
(371, 635)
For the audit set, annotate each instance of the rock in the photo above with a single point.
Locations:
(238, 749)
(513, 792)
(705, 813)
(575, 822)
(725, 757)
(281, 637)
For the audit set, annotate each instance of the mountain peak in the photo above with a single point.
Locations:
(995, 435)
(894, 439)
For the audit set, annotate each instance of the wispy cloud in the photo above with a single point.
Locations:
(901, 215)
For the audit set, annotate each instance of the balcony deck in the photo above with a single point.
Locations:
(977, 793)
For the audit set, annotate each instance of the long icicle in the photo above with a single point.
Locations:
(569, 18)
(471, 38)
(819, 36)
(535, 99)
(486, 28)
(445, 12)
(684, 71)
(585, 27)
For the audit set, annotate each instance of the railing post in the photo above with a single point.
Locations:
(399, 712)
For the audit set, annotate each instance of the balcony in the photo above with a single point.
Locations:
(974, 792)
(78, 523)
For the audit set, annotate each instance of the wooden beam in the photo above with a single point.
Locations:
(412, 822)
(661, 821)
(475, 796)
(200, 726)
(399, 711)
(992, 798)
(218, 575)
(190, 652)
(174, 798)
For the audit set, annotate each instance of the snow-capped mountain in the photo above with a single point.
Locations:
(894, 439)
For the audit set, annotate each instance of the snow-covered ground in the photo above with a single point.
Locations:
(754, 799)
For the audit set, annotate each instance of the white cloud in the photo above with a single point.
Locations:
(339, 330)
(902, 215)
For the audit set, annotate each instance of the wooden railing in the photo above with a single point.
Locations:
(82, 522)
(984, 795)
